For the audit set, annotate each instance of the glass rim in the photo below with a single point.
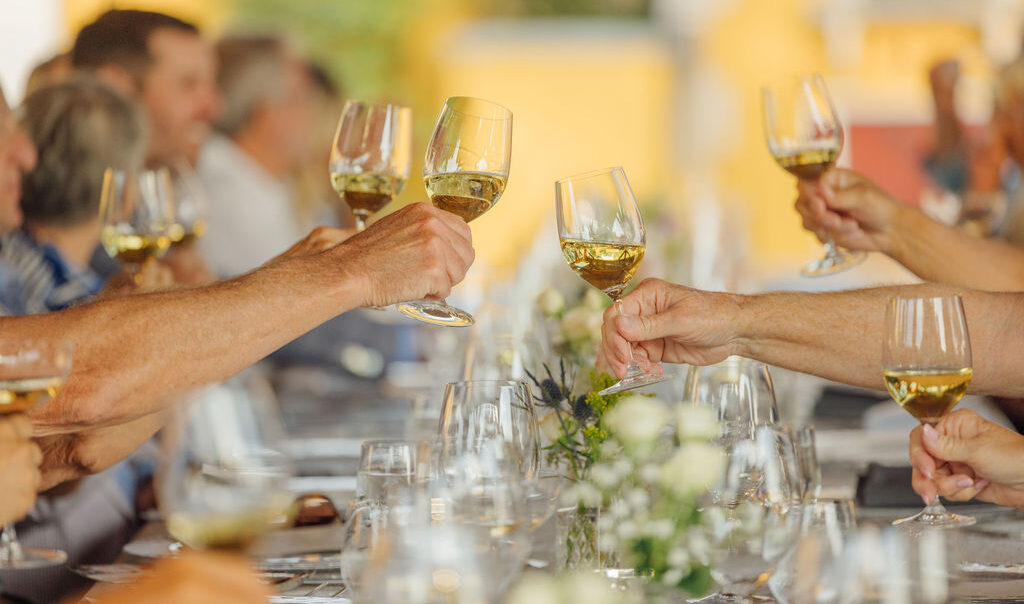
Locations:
(591, 174)
(371, 104)
(450, 104)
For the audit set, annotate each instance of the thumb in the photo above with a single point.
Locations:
(640, 328)
(944, 447)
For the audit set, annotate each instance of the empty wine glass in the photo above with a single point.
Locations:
(371, 156)
(137, 210)
(223, 476)
(804, 136)
(741, 393)
(926, 363)
(32, 372)
(824, 528)
(191, 204)
(389, 466)
(464, 171)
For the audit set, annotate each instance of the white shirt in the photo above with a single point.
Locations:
(251, 218)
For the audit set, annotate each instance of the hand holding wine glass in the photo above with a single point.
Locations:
(603, 239)
(926, 364)
(805, 138)
(19, 467)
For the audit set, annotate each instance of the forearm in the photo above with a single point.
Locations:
(943, 254)
(72, 456)
(134, 354)
(839, 335)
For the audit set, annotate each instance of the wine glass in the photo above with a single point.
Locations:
(824, 528)
(31, 374)
(191, 204)
(371, 156)
(464, 172)
(926, 363)
(388, 466)
(603, 239)
(223, 480)
(479, 412)
(805, 138)
(741, 393)
(137, 209)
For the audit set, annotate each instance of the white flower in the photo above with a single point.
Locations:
(594, 300)
(678, 557)
(590, 588)
(672, 577)
(697, 542)
(659, 529)
(693, 468)
(535, 588)
(576, 324)
(696, 422)
(611, 449)
(551, 427)
(638, 498)
(627, 529)
(637, 421)
(619, 509)
(650, 473)
(587, 494)
(604, 476)
(551, 302)
(607, 542)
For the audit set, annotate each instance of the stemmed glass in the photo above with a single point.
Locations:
(223, 480)
(464, 172)
(603, 239)
(371, 156)
(191, 205)
(31, 374)
(926, 363)
(805, 138)
(824, 528)
(137, 209)
(388, 466)
(741, 393)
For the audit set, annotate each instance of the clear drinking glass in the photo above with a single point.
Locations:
(191, 205)
(926, 363)
(805, 138)
(137, 209)
(32, 372)
(807, 455)
(824, 528)
(603, 239)
(741, 393)
(475, 414)
(371, 156)
(223, 480)
(464, 172)
(387, 467)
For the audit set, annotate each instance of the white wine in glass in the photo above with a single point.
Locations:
(926, 363)
(191, 205)
(137, 209)
(805, 138)
(32, 372)
(464, 172)
(603, 239)
(371, 156)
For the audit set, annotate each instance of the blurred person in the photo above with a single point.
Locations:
(165, 65)
(967, 457)
(51, 71)
(261, 142)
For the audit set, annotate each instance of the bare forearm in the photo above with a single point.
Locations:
(942, 254)
(71, 456)
(134, 354)
(839, 335)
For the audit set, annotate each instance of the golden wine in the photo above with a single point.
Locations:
(132, 248)
(366, 194)
(928, 394)
(465, 194)
(220, 531)
(606, 266)
(18, 396)
(808, 163)
(180, 234)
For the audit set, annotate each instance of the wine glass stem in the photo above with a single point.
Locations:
(10, 549)
(830, 248)
(360, 223)
(633, 369)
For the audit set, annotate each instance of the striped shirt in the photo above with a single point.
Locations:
(35, 278)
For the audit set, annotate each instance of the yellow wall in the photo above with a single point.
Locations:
(207, 14)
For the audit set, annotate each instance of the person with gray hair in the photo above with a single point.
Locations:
(261, 139)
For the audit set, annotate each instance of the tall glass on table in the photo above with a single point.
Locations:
(464, 172)
(603, 239)
(926, 362)
(371, 156)
(804, 136)
(31, 374)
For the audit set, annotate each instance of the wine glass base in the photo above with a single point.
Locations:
(928, 519)
(631, 382)
(436, 313)
(35, 558)
(836, 262)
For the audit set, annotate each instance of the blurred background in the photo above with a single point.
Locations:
(669, 89)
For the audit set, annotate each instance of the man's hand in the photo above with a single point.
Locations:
(965, 457)
(187, 266)
(850, 210)
(152, 276)
(196, 578)
(416, 252)
(319, 239)
(19, 468)
(670, 323)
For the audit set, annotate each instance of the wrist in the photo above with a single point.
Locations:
(903, 225)
(740, 325)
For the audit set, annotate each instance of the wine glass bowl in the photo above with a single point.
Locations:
(137, 210)
(371, 156)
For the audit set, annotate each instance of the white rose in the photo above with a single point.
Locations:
(595, 300)
(696, 422)
(637, 421)
(551, 302)
(693, 468)
(678, 557)
(551, 427)
(672, 577)
(576, 324)
(535, 588)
